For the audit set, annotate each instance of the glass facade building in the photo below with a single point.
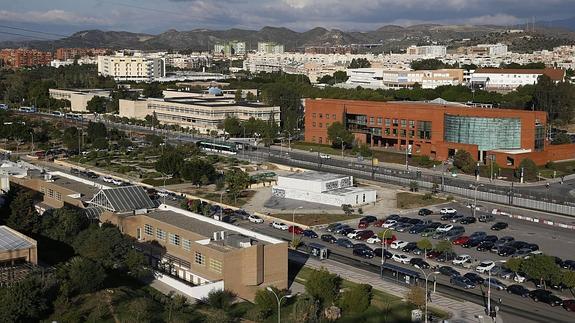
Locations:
(486, 133)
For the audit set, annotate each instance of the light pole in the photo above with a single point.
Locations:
(165, 192)
(426, 276)
(474, 206)
(269, 289)
(342, 146)
(293, 224)
(489, 288)
(384, 247)
(32, 134)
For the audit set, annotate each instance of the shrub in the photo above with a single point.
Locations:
(356, 299)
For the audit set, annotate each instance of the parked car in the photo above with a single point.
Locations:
(446, 256)
(506, 273)
(485, 245)
(378, 223)
(439, 235)
(398, 244)
(309, 234)
(380, 251)
(448, 210)
(343, 228)
(504, 240)
(472, 242)
(475, 278)
(545, 296)
(495, 283)
(428, 232)
(433, 254)
(119, 182)
(328, 238)
(522, 252)
(448, 271)
(459, 260)
(505, 251)
(365, 253)
(446, 216)
(486, 218)
(361, 246)
(477, 234)
(533, 247)
(374, 240)
(484, 266)
(453, 234)
(343, 242)
(444, 227)
(518, 290)
(255, 219)
(417, 229)
(519, 278)
(404, 259)
(364, 235)
(461, 281)
(369, 219)
(460, 240)
(389, 223)
(419, 263)
(393, 217)
(333, 226)
(403, 227)
(279, 225)
(409, 247)
(569, 305)
(499, 226)
(424, 212)
(569, 264)
(468, 220)
(346, 231)
(107, 179)
(456, 218)
(295, 229)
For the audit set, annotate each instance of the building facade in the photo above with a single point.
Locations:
(137, 67)
(500, 79)
(16, 248)
(232, 48)
(22, 57)
(493, 49)
(400, 79)
(439, 130)
(78, 98)
(64, 54)
(432, 50)
(270, 48)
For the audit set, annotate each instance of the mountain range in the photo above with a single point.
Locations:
(386, 38)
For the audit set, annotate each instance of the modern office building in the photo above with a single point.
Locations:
(136, 67)
(200, 111)
(439, 129)
(78, 98)
(432, 50)
(23, 57)
(323, 188)
(400, 79)
(499, 79)
(270, 48)
(232, 48)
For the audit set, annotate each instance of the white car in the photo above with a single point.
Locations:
(460, 260)
(484, 266)
(280, 226)
(519, 278)
(107, 179)
(324, 156)
(255, 219)
(117, 182)
(161, 193)
(444, 228)
(389, 223)
(398, 244)
(373, 239)
(401, 258)
(353, 234)
(448, 210)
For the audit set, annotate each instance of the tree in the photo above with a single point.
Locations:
(413, 186)
(416, 296)
(359, 63)
(70, 139)
(429, 64)
(530, 169)
(64, 224)
(464, 161)
(363, 150)
(347, 209)
(152, 120)
(84, 275)
(170, 162)
(338, 135)
(561, 138)
(220, 299)
(541, 267)
(153, 90)
(356, 299)
(305, 310)
(444, 246)
(236, 180)
(140, 309)
(96, 130)
(513, 264)
(238, 95)
(25, 301)
(23, 215)
(199, 172)
(97, 104)
(266, 302)
(424, 244)
(232, 126)
(323, 286)
(568, 278)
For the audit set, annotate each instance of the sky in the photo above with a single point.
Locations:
(62, 17)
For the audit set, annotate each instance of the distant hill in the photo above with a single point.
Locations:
(386, 38)
(568, 23)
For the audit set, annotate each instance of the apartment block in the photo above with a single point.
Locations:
(400, 79)
(232, 48)
(22, 57)
(136, 67)
(270, 48)
(64, 54)
(432, 50)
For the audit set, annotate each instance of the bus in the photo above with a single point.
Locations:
(219, 147)
(73, 116)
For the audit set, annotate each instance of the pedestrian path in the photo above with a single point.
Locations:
(462, 311)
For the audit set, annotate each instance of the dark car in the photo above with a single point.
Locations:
(393, 217)
(415, 221)
(569, 264)
(477, 234)
(333, 227)
(340, 228)
(386, 254)
(495, 283)
(369, 219)
(490, 238)
(343, 242)
(328, 238)
(403, 227)
(424, 212)
(533, 246)
(309, 233)
(475, 278)
(361, 246)
(504, 240)
(518, 244)
(569, 305)
(448, 271)
(506, 251)
(409, 247)
(472, 242)
(456, 218)
(434, 225)
(433, 254)
(468, 220)
(364, 235)
(499, 226)
(419, 263)
(365, 253)
(446, 217)
(403, 219)
(461, 281)
(545, 296)
(446, 256)
(518, 290)
(417, 229)
(346, 231)
(485, 246)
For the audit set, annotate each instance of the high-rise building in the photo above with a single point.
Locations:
(22, 57)
(137, 67)
(270, 48)
(494, 49)
(432, 50)
(232, 48)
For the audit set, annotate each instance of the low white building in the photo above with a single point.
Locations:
(510, 79)
(78, 98)
(430, 50)
(392, 79)
(323, 188)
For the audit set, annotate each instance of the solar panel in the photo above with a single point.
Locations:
(128, 198)
(11, 241)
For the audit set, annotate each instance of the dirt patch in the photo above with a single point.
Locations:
(316, 219)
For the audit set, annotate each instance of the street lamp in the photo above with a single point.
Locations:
(293, 224)
(426, 276)
(342, 146)
(165, 178)
(475, 187)
(384, 243)
(269, 289)
(32, 134)
(489, 288)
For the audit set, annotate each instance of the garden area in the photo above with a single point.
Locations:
(408, 200)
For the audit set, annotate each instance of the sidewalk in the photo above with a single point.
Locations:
(462, 311)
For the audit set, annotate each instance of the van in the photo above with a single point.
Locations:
(486, 217)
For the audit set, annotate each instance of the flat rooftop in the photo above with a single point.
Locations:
(87, 191)
(13, 240)
(315, 176)
(348, 190)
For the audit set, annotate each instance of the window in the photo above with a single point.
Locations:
(387, 131)
(403, 132)
(313, 139)
(313, 124)
(320, 140)
(313, 115)
(320, 115)
(411, 123)
(148, 230)
(186, 244)
(403, 123)
(327, 116)
(160, 234)
(327, 124)
(174, 239)
(320, 125)
(333, 116)
(379, 121)
(371, 120)
(394, 131)
(199, 258)
(411, 133)
(387, 122)
(395, 122)
(216, 265)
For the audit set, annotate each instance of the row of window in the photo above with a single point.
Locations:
(321, 115)
(51, 193)
(320, 124)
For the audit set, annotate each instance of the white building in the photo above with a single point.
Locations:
(78, 98)
(232, 48)
(494, 49)
(81, 61)
(270, 48)
(432, 50)
(510, 79)
(137, 67)
(391, 79)
(323, 188)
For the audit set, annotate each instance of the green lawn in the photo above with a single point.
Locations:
(406, 200)
(315, 219)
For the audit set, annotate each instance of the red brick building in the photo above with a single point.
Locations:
(71, 53)
(22, 57)
(439, 130)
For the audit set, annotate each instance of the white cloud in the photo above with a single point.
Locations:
(51, 16)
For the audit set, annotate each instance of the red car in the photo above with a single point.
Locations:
(461, 240)
(378, 223)
(569, 305)
(365, 234)
(363, 224)
(295, 229)
(388, 241)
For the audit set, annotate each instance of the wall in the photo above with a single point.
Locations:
(133, 109)
(324, 198)
(197, 292)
